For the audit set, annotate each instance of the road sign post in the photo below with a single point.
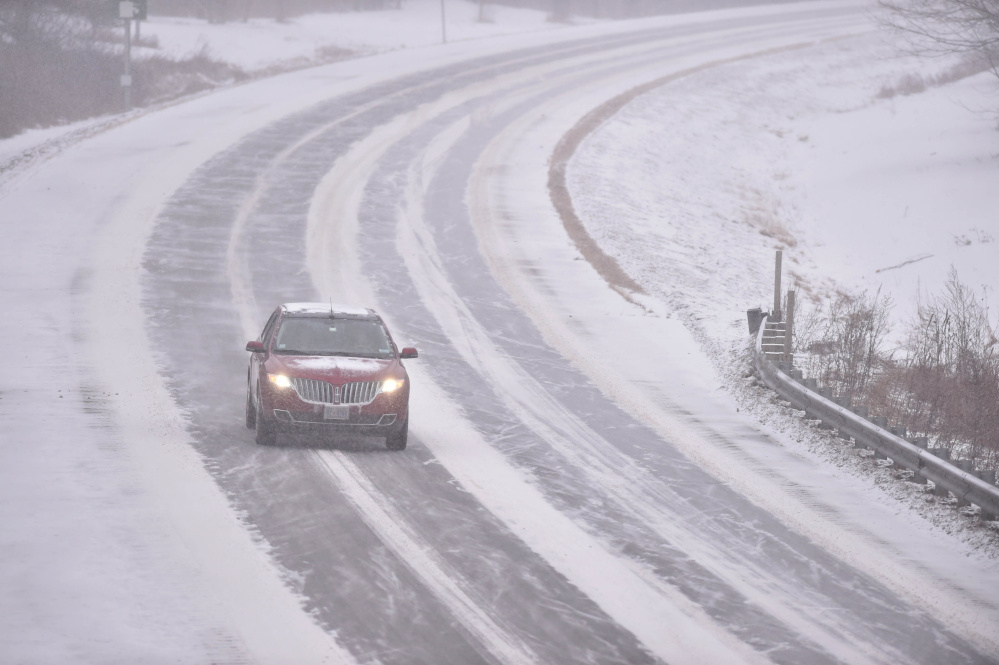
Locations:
(128, 11)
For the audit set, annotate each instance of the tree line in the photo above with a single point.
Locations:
(58, 58)
(938, 27)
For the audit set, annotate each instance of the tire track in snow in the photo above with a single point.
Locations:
(417, 553)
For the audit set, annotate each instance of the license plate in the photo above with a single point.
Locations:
(336, 412)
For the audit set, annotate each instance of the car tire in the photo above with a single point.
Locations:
(397, 439)
(251, 410)
(266, 427)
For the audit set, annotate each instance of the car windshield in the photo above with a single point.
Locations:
(314, 336)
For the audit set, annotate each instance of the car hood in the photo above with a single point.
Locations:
(335, 369)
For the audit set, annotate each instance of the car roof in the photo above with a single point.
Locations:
(324, 309)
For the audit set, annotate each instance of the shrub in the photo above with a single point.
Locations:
(941, 382)
(57, 66)
(842, 343)
(939, 27)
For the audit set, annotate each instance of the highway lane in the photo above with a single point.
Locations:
(390, 551)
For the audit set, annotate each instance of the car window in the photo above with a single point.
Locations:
(269, 327)
(314, 336)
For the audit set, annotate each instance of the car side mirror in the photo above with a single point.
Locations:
(409, 352)
(256, 347)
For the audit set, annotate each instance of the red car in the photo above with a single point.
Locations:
(327, 368)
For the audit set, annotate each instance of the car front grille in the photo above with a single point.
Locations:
(359, 392)
(323, 392)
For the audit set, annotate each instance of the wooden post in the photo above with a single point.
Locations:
(789, 327)
(776, 313)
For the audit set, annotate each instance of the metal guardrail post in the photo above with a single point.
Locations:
(789, 327)
(776, 311)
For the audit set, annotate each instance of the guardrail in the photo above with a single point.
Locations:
(925, 465)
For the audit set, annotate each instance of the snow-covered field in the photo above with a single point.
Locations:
(119, 542)
(800, 154)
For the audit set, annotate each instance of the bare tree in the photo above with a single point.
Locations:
(938, 27)
(946, 382)
(843, 344)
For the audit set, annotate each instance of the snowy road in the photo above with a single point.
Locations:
(559, 501)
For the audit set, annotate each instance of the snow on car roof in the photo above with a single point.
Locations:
(324, 308)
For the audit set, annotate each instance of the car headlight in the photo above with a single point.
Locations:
(280, 380)
(391, 385)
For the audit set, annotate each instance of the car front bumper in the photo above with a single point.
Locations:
(379, 416)
(318, 417)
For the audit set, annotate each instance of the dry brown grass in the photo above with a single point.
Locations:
(913, 84)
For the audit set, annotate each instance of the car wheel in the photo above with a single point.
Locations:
(251, 410)
(397, 439)
(266, 427)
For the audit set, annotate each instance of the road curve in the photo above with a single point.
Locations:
(532, 519)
